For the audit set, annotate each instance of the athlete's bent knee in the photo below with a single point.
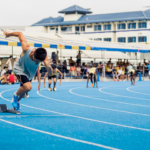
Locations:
(28, 87)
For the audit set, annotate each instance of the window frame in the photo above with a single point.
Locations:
(132, 39)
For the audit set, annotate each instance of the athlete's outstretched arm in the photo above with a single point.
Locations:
(22, 39)
(61, 76)
(45, 78)
(39, 78)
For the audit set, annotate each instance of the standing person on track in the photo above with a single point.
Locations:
(9, 63)
(26, 66)
(132, 76)
(92, 74)
(54, 76)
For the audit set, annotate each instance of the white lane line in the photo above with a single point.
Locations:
(20, 116)
(120, 95)
(106, 99)
(104, 122)
(92, 106)
(61, 136)
(136, 92)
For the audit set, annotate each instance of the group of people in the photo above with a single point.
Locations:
(6, 75)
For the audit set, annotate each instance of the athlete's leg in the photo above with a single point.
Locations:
(95, 79)
(54, 80)
(87, 79)
(26, 87)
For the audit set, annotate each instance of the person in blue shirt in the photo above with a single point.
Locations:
(148, 66)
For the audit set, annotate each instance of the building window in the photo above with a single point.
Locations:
(107, 39)
(131, 25)
(122, 39)
(107, 27)
(89, 26)
(66, 29)
(52, 28)
(98, 39)
(82, 28)
(142, 25)
(142, 39)
(97, 27)
(131, 39)
(122, 26)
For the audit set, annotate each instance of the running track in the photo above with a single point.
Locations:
(114, 116)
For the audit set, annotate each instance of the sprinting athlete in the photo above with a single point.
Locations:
(132, 76)
(92, 74)
(54, 76)
(26, 66)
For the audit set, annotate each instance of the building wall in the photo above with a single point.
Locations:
(36, 29)
(71, 17)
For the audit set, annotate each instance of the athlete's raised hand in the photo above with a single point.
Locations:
(44, 85)
(60, 83)
(5, 32)
(38, 87)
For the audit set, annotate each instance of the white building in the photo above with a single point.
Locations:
(126, 27)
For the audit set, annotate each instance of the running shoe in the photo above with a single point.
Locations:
(14, 100)
(49, 89)
(18, 107)
(26, 95)
(114, 80)
(92, 85)
(54, 89)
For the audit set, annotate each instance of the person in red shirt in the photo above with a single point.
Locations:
(11, 78)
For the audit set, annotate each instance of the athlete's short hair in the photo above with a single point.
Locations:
(40, 54)
(53, 66)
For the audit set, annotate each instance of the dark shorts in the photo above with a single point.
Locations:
(22, 79)
(91, 74)
(50, 77)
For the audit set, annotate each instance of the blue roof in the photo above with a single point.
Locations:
(51, 20)
(75, 8)
(123, 16)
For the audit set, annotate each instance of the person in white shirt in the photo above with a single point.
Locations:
(129, 67)
(4, 70)
(9, 63)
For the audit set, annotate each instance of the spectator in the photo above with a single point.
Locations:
(99, 67)
(56, 56)
(79, 58)
(9, 63)
(114, 74)
(121, 73)
(4, 79)
(108, 69)
(4, 70)
(73, 70)
(78, 71)
(11, 77)
(148, 66)
(1, 64)
(71, 61)
(15, 61)
(64, 66)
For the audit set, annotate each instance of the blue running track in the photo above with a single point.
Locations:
(113, 116)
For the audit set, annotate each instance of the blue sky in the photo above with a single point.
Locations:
(27, 12)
